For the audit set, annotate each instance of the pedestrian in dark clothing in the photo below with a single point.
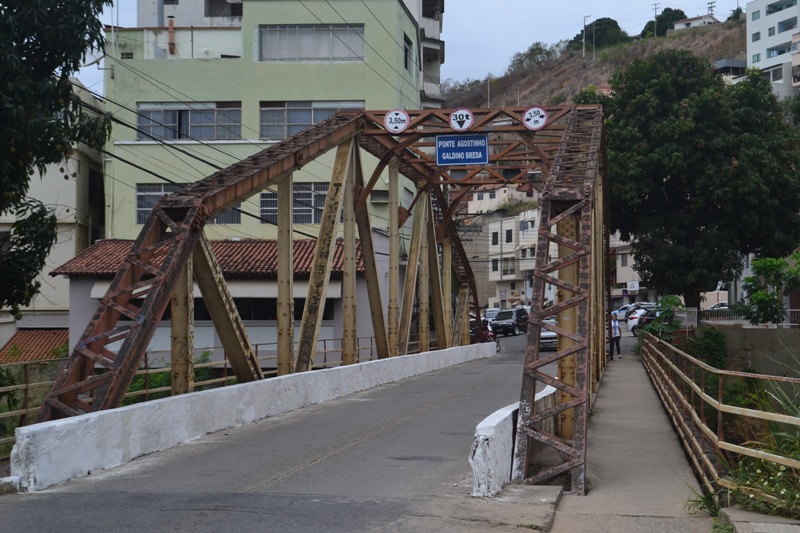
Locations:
(616, 334)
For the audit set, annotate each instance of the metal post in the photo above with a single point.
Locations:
(568, 320)
(437, 298)
(447, 286)
(285, 305)
(394, 258)
(182, 331)
(424, 286)
(349, 271)
(412, 269)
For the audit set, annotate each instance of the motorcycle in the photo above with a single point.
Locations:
(486, 334)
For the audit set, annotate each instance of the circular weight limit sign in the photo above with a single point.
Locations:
(461, 119)
(396, 121)
(534, 118)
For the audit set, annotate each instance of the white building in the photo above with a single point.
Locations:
(74, 190)
(771, 41)
(694, 22)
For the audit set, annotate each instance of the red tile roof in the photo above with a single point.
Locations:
(33, 345)
(238, 259)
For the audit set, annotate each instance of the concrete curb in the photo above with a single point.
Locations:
(750, 522)
(57, 451)
(492, 451)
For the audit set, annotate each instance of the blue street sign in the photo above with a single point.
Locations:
(452, 150)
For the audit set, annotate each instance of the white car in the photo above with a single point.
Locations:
(633, 320)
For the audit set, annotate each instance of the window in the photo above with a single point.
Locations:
(492, 194)
(756, 15)
(771, 31)
(508, 267)
(126, 55)
(231, 216)
(308, 200)
(757, 36)
(312, 42)
(756, 58)
(222, 8)
(509, 235)
(281, 120)
(523, 253)
(480, 196)
(523, 225)
(623, 260)
(408, 49)
(147, 195)
(495, 265)
(495, 237)
(201, 121)
(512, 285)
(776, 74)
(170, 2)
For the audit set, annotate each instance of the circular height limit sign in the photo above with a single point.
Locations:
(396, 121)
(534, 118)
(461, 119)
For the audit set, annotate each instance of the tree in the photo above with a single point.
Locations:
(772, 279)
(663, 22)
(42, 43)
(736, 15)
(701, 173)
(601, 32)
(536, 55)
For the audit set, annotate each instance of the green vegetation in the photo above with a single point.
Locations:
(42, 44)
(695, 164)
(771, 280)
(663, 22)
(156, 379)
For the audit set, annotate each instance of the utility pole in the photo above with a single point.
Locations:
(594, 47)
(711, 8)
(655, 20)
(584, 34)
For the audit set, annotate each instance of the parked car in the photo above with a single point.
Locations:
(657, 314)
(490, 313)
(548, 339)
(510, 321)
(721, 306)
(635, 307)
(633, 319)
(621, 311)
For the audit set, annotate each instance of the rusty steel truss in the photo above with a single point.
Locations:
(172, 249)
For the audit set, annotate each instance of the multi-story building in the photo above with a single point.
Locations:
(771, 45)
(512, 256)
(74, 190)
(222, 80)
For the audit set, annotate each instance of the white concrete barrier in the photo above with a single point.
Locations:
(492, 451)
(57, 451)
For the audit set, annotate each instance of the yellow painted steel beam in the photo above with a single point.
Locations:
(182, 332)
(370, 268)
(412, 270)
(349, 335)
(285, 305)
(568, 320)
(424, 314)
(394, 259)
(219, 302)
(437, 298)
(323, 259)
(447, 287)
(460, 328)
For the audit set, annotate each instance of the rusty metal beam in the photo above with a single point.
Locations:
(424, 286)
(323, 258)
(412, 269)
(182, 331)
(437, 298)
(285, 304)
(349, 336)
(219, 303)
(371, 273)
(394, 260)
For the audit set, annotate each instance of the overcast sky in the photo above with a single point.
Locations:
(481, 36)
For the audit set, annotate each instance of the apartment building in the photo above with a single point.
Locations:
(772, 43)
(201, 84)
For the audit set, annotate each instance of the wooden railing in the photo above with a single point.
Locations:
(692, 393)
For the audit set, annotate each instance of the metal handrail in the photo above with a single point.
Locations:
(680, 381)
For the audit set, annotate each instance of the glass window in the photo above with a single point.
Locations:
(480, 196)
(623, 260)
(509, 235)
(312, 42)
(308, 201)
(756, 15)
(195, 121)
(492, 194)
(147, 195)
(495, 237)
(495, 265)
(280, 120)
(757, 36)
(771, 31)
(756, 58)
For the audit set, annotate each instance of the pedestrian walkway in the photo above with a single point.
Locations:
(638, 477)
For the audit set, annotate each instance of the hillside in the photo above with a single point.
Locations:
(557, 80)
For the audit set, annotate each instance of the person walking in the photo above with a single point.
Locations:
(616, 334)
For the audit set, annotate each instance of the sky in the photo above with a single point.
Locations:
(481, 36)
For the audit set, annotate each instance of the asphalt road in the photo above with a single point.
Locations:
(389, 459)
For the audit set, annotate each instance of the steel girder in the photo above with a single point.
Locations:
(568, 219)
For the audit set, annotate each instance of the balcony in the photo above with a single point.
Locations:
(184, 43)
